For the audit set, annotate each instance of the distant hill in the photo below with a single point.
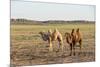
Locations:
(26, 21)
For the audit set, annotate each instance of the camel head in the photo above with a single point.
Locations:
(44, 35)
(68, 37)
(41, 32)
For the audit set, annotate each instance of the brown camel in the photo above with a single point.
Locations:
(73, 38)
(52, 36)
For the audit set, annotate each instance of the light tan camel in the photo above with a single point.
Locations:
(73, 38)
(52, 36)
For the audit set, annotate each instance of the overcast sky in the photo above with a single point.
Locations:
(51, 11)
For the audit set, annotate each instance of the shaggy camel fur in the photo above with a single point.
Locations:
(73, 38)
(52, 36)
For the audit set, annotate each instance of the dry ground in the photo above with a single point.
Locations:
(27, 47)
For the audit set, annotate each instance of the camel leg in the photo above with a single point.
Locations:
(71, 49)
(62, 47)
(74, 48)
(50, 48)
(61, 43)
(80, 43)
(50, 43)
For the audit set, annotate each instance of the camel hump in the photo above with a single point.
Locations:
(55, 30)
(49, 31)
(78, 33)
(55, 33)
(73, 30)
(77, 30)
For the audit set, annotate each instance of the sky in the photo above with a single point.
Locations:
(51, 11)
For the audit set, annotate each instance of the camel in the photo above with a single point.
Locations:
(52, 36)
(73, 38)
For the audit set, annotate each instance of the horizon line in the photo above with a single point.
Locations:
(51, 19)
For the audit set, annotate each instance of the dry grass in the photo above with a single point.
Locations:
(27, 47)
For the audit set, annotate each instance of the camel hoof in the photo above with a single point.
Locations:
(70, 54)
(57, 51)
(74, 54)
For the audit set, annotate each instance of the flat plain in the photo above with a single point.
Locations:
(28, 48)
